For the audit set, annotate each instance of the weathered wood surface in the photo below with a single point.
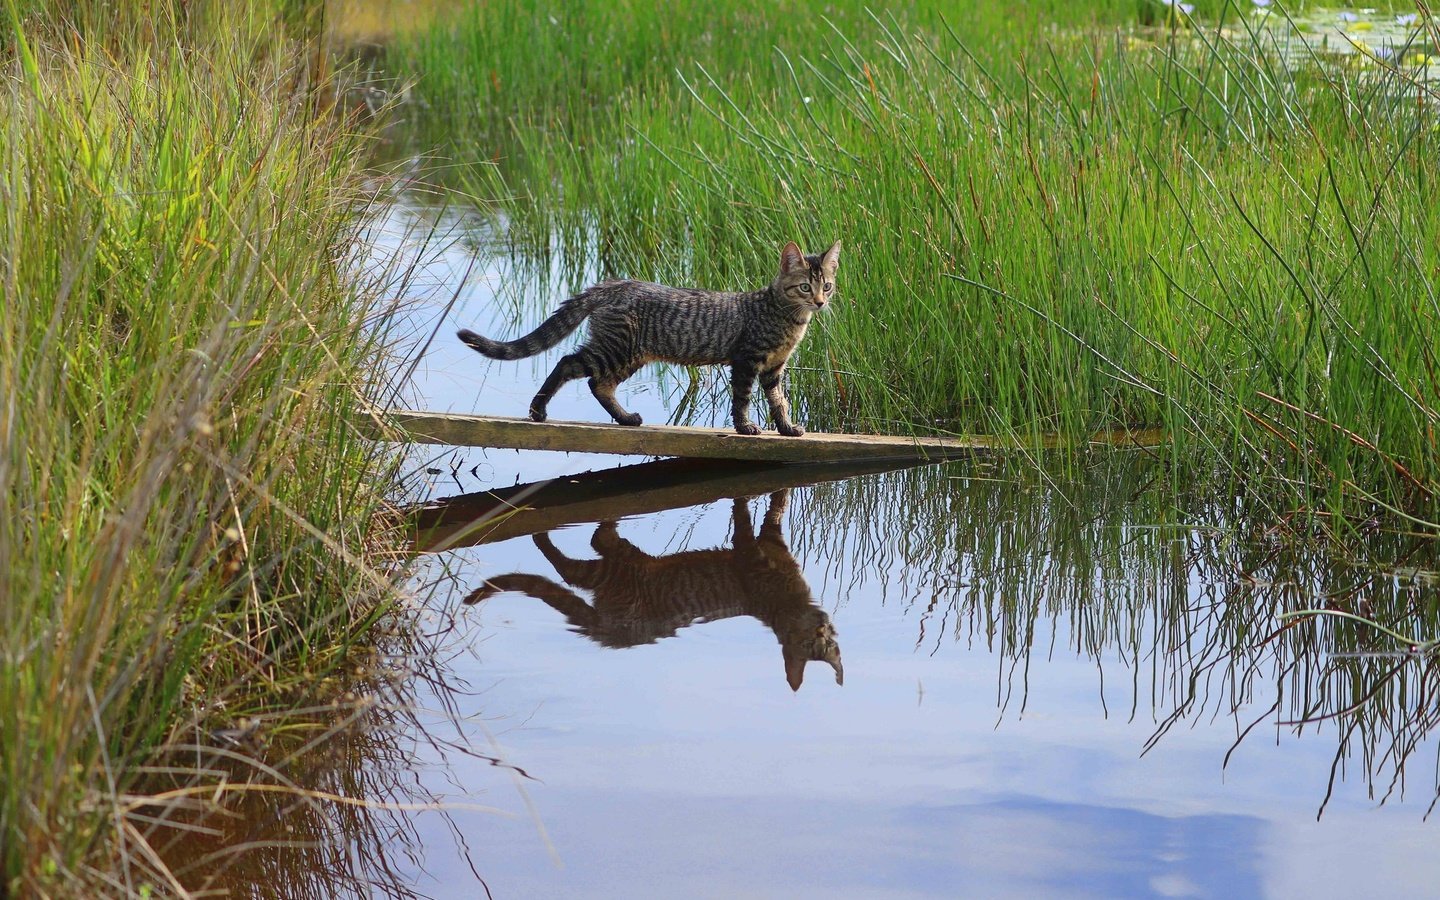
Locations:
(481, 517)
(676, 440)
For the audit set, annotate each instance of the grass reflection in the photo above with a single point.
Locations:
(1191, 602)
(317, 803)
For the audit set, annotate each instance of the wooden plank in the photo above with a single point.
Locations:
(480, 518)
(666, 440)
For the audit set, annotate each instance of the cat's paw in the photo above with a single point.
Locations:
(791, 430)
(747, 428)
(537, 415)
(629, 419)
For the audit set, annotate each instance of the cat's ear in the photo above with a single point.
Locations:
(791, 259)
(831, 259)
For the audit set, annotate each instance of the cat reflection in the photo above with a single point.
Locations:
(639, 598)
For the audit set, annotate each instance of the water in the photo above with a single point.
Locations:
(1055, 683)
(1355, 37)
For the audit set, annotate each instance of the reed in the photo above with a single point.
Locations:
(1058, 217)
(193, 536)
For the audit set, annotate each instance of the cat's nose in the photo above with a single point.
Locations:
(819, 303)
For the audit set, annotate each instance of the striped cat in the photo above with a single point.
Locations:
(639, 598)
(635, 322)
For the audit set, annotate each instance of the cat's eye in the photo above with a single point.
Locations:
(829, 288)
(805, 288)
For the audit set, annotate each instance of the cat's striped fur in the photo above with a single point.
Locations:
(636, 322)
(639, 598)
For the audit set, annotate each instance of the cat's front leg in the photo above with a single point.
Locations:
(742, 381)
(775, 512)
(779, 405)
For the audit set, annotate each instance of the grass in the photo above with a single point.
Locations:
(1058, 217)
(1192, 608)
(193, 535)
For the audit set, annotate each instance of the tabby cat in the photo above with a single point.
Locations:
(636, 322)
(639, 598)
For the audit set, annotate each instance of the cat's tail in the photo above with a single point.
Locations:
(537, 586)
(551, 332)
(556, 596)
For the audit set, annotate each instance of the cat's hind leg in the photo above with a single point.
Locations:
(607, 542)
(740, 521)
(742, 382)
(582, 573)
(603, 387)
(570, 367)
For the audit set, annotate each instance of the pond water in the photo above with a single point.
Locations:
(1356, 36)
(1055, 682)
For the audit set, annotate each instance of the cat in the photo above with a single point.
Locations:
(639, 598)
(636, 322)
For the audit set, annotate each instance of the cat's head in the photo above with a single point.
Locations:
(815, 640)
(807, 281)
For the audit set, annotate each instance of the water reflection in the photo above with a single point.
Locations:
(1185, 624)
(639, 598)
(1187, 621)
(319, 802)
(1162, 727)
(1064, 680)
(1181, 624)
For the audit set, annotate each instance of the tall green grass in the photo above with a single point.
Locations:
(1058, 217)
(192, 534)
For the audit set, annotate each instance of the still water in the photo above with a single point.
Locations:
(1055, 683)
